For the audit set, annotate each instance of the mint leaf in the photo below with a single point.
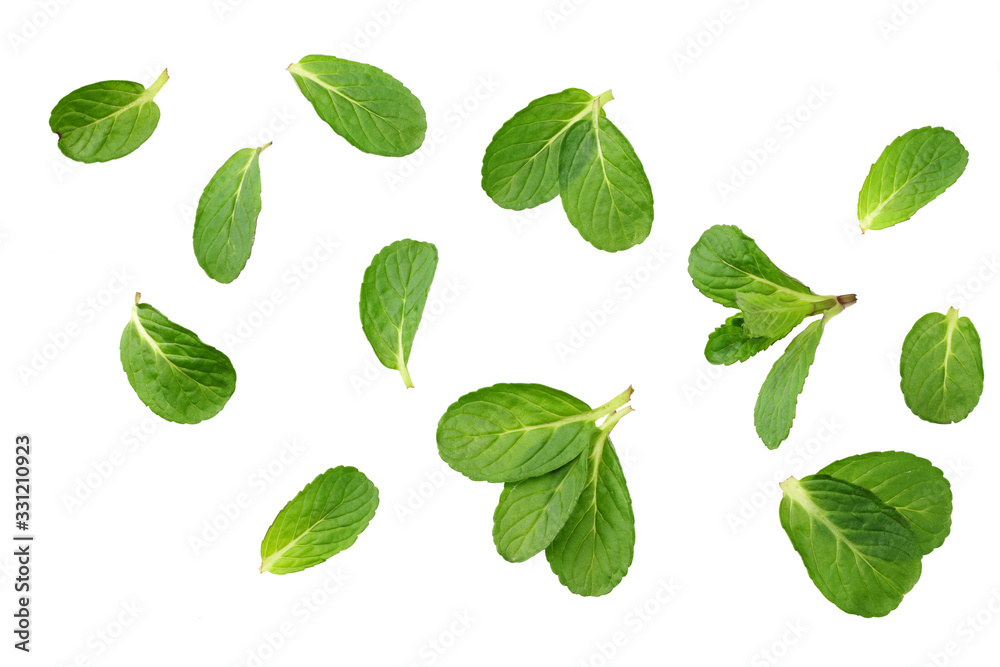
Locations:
(370, 109)
(226, 221)
(521, 164)
(731, 343)
(510, 432)
(107, 120)
(772, 315)
(323, 519)
(775, 409)
(908, 483)
(911, 172)
(176, 375)
(602, 184)
(532, 512)
(725, 261)
(942, 368)
(393, 294)
(594, 550)
(859, 551)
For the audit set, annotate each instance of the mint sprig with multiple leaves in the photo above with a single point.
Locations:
(106, 120)
(323, 519)
(176, 375)
(941, 368)
(393, 294)
(373, 111)
(564, 488)
(910, 173)
(226, 220)
(564, 144)
(728, 267)
(863, 524)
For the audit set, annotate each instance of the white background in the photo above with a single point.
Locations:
(510, 289)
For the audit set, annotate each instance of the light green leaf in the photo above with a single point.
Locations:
(532, 512)
(775, 409)
(322, 520)
(107, 120)
(393, 294)
(908, 483)
(510, 432)
(731, 343)
(593, 551)
(602, 184)
(176, 375)
(372, 110)
(226, 221)
(521, 164)
(913, 170)
(725, 261)
(773, 315)
(942, 368)
(859, 551)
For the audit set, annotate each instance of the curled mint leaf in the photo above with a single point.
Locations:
(510, 432)
(323, 519)
(393, 294)
(908, 483)
(521, 164)
(910, 173)
(107, 120)
(859, 551)
(532, 512)
(373, 111)
(942, 368)
(226, 220)
(774, 315)
(602, 185)
(594, 550)
(731, 343)
(176, 375)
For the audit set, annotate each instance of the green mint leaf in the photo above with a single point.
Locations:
(594, 550)
(913, 170)
(602, 185)
(370, 109)
(176, 375)
(510, 432)
(532, 512)
(772, 315)
(393, 294)
(859, 551)
(322, 520)
(725, 261)
(226, 221)
(908, 483)
(731, 343)
(521, 164)
(107, 120)
(775, 409)
(942, 368)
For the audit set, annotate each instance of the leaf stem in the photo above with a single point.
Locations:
(614, 418)
(614, 404)
(155, 88)
(604, 98)
(406, 376)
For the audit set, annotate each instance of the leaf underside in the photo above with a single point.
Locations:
(941, 368)
(373, 111)
(731, 343)
(323, 519)
(393, 294)
(910, 173)
(176, 375)
(226, 221)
